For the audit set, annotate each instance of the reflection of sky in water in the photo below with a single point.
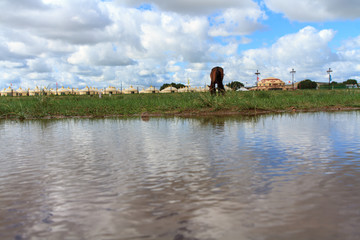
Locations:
(218, 177)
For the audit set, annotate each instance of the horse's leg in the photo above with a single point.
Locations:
(212, 85)
(212, 88)
(221, 87)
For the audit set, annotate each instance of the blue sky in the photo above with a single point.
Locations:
(78, 43)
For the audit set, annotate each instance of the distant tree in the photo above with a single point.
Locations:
(235, 85)
(175, 85)
(336, 85)
(350, 81)
(179, 85)
(307, 84)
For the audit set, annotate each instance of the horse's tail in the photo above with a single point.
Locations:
(218, 74)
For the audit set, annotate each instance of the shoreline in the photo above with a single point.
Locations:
(191, 114)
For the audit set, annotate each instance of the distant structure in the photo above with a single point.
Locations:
(111, 90)
(257, 76)
(293, 74)
(329, 72)
(269, 84)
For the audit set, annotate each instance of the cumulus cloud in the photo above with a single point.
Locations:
(74, 21)
(23, 4)
(39, 65)
(172, 35)
(229, 17)
(193, 7)
(142, 43)
(307, 51)
(316, 10)
(234, 21)
(349, 58)
(308, 48)
(350, 50)
(87, 40)
(100, 55)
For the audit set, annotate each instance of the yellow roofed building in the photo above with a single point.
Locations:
(130, 90)
(169, 89)
(84, 91)
(270, 84)
(8, 92)
(151, 89)
(64, 91)
(34, 92)
(21, 92)
(110, 90)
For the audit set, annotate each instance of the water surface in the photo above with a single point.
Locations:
(292, 176)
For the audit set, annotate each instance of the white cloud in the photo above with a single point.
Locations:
(72, 21)
(316, 10)
(350, 50)
(87, 40)
(307, 51)
(39, 65)
(229, 17)
(170, 36)
(236, 22)
(98, 43)
(193, 7)
(100, 55)
(308, 48)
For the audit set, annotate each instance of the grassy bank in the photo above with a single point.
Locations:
(178, 103)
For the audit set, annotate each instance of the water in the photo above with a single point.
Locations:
(292, 176)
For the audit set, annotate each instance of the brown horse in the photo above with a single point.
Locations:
(217, 76)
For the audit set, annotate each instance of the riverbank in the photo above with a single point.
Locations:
(178, 104)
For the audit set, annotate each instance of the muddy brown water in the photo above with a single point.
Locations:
(285, 176)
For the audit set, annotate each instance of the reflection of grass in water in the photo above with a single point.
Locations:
(43, 106)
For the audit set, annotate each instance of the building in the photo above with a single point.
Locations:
(270, 84)
(184, 89)
(151, 89)
(228, 88)
(110, 90)
(53, 91)
(21, 92)
(130, 90)
(65, 91)
(34, 92)
(169, 89)
(84, 91)
(8, 92)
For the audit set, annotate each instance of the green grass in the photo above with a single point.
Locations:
(177, 103)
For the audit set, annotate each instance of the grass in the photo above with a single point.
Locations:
(177, 103)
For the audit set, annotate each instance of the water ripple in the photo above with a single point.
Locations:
(271, 177)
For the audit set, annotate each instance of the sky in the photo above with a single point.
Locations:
(140, 43)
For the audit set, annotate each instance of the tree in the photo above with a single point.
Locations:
(350, 81)
(175, 85)
(235, 85)
(307, 84)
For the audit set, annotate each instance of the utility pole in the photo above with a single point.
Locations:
(293, 73)
(329, 72)
(257, 77)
